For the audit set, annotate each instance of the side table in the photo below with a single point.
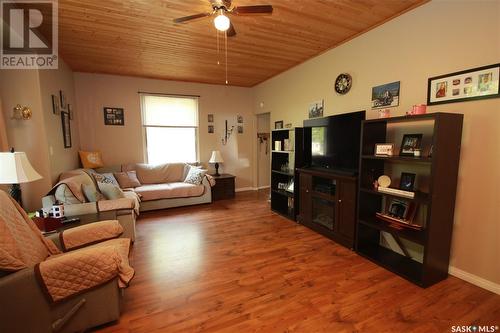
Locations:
(224, 187)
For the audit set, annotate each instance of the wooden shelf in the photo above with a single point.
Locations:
(282, 173)
(398, 158)
(420, 197)
(443, 132)
(282, 151)
(283, 192)
(417, 236)
(394, 262)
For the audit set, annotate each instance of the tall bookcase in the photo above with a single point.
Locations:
(284, 161)
(420, 255)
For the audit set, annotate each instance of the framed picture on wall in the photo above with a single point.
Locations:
(66, 127)
(56, 108)
(468, 85)
(385, 95)
(64, 102)
(114, 116)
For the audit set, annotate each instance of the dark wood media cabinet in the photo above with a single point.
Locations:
(328, 204)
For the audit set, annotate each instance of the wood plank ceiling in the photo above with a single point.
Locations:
(138, 37)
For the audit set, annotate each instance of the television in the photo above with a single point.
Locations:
(335, 141)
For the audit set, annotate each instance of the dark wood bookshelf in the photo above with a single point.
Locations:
(284, 202)
(426, 261)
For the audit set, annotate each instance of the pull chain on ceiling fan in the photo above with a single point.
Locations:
(220, 9)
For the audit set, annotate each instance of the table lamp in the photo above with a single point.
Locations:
(15, 168)
(216, 158)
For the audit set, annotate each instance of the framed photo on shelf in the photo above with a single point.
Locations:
(407, 182)
(66, 127)
(472, 84)
(278, 124)
(384, 149)
(410, 143)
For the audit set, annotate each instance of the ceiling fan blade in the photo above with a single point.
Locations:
(231, 32)
(191, 17)
(259, 9)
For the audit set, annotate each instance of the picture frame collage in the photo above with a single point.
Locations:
(62, 108)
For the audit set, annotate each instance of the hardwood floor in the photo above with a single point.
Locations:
(234, 266)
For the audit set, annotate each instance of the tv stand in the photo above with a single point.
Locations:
(328, 203)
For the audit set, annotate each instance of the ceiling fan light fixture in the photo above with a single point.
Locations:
(222, 22)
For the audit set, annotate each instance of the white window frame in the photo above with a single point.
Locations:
(144, 127)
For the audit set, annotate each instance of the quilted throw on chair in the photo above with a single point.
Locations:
(61, 275)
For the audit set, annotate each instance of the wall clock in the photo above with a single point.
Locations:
(343, 83)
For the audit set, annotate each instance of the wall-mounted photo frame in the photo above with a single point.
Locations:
(316, 109)
(409, 144)
(114, 116)
(56, 106)
(210, 118)
(386, 95)
(239, 119)
(70, 111)
(468, 85)
(66, 127)
(240, 129)
(211, 129)
(278, 124)
(64, 101)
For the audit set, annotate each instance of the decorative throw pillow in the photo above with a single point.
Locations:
(91, 193)
(111, 191)
(195, 176)
(91, 159)
(105, 178)
(127, 179)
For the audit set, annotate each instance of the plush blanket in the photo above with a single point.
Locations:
(69, 274)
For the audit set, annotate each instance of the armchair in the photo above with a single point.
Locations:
(45, 290)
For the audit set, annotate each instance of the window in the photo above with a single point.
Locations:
(170, 128)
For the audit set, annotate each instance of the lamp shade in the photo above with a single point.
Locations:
(216, 157)
(15, 168)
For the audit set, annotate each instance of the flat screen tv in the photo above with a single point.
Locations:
(335, 141)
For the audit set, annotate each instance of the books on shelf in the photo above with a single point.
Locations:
(395, 191)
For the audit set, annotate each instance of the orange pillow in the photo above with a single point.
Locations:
(91, 159)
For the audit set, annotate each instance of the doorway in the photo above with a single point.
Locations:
(263, 150)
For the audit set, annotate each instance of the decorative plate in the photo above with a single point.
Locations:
(343, 83)
(384, 181)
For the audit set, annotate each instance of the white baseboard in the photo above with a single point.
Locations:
(475, 280)
(243, 189)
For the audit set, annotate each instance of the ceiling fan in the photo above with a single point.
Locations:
(220, 9)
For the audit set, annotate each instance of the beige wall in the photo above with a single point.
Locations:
(124, 144)
(437, 38)
(33, 88)
(51, 82)
(22, 87)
